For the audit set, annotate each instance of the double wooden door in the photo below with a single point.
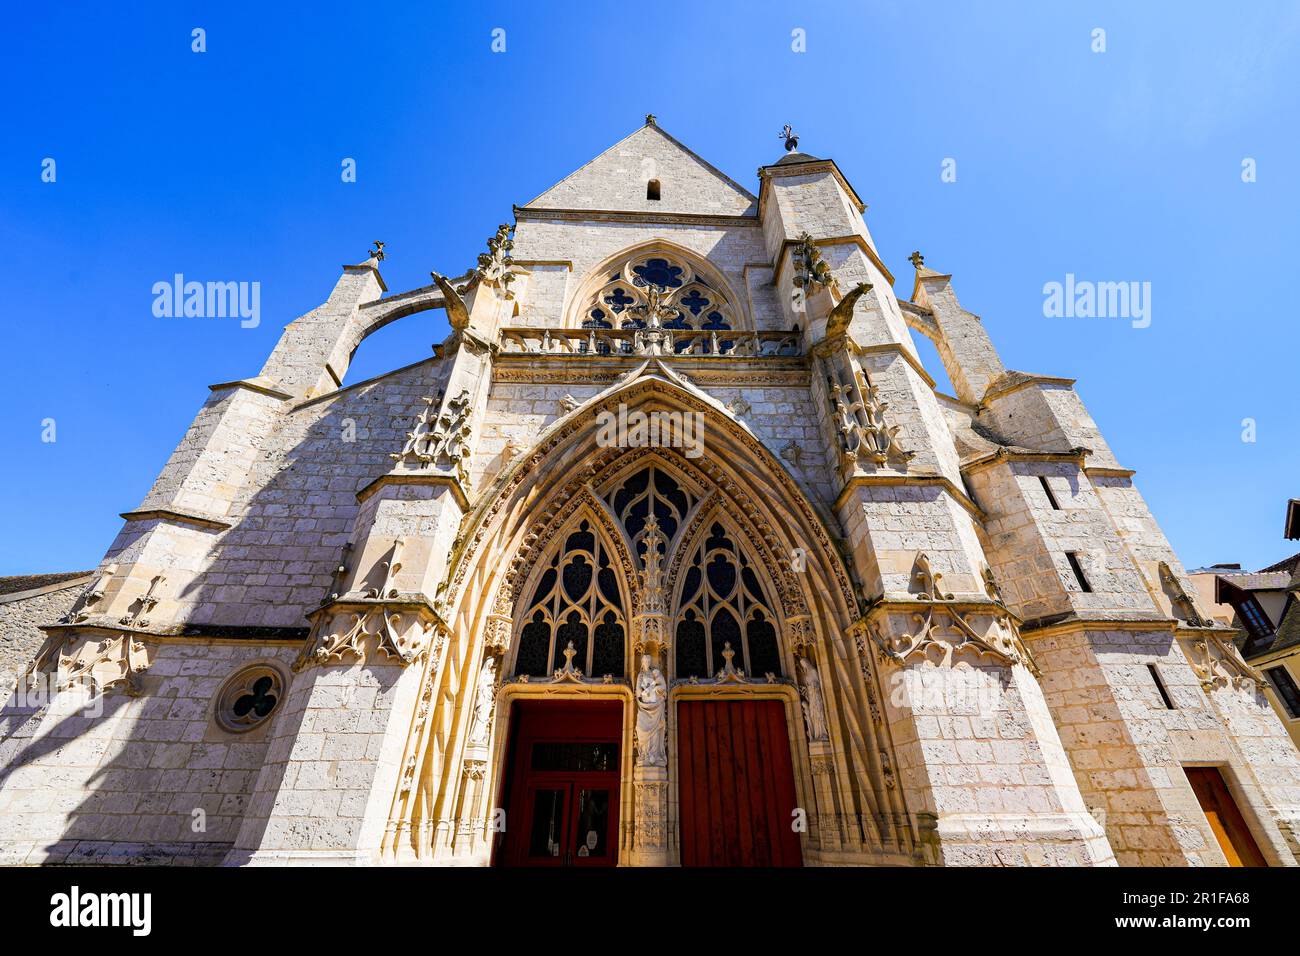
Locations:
(736, 784)
(564, 786)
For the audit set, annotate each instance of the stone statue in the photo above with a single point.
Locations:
(480, 729)
(814, 707)
(651, 716)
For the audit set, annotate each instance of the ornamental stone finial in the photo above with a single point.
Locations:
(791, 138)
(377, 253)
(917, 260)
(651, 120)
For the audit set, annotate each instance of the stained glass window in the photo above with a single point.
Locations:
(621, 301)
(660, 272)
(722, 603)
(577, 600)
(650, 490)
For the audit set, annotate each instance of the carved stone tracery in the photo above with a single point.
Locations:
(943, 632)
(99, 663)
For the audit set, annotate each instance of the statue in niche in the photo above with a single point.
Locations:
(814, 706)
(651, 715)
(480, 729)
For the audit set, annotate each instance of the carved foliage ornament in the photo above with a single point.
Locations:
(1218, 663)
(859, 414)
(143, 605)
(100, 664)
(926, 579)
(93, 596)
(495, 264)
(398, 635)
(944, 633)
(811, 271)
(1179, 598)
(441, 437)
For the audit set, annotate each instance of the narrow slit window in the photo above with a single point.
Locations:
(1160, 686)
(1077, 568)
(1047, 490)
(652, 190)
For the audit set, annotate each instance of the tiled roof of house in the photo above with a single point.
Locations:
(30, 582)
(1286, 564)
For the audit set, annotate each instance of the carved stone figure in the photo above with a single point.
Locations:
(651, 715)
(484, 700)
(1179, 598)
(838, 321)
(814, 705)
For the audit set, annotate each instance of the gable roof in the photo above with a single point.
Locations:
(615, 181)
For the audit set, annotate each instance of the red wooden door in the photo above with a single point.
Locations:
(563, 790)
(736, 784)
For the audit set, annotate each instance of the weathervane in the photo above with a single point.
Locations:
(791, 138)
(377, 253)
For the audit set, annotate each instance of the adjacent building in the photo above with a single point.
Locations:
(1263, 606)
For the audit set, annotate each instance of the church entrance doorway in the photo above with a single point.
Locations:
(736, 788)
(564, 784)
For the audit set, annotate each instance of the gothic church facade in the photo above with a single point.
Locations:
(671, 555)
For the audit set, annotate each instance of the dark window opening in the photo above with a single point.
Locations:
(1077, 568)
(1254, 618)
(1160, 686)
(1286, 689)
(652, 190)
(1047, 489)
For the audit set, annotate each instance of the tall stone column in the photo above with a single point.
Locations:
(650, 777)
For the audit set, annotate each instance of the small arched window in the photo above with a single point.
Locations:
(652, 190)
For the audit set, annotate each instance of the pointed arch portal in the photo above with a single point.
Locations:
(595, 574)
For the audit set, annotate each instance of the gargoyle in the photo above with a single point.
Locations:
(840, 316)
(457, 314)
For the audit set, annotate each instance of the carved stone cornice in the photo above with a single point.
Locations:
(1015, 381)
(458, 490)
(716, 370)
(101, 659)
(526, 214)
(1218, 663)
(402, 628)
(958, 494)
(1077, 455)
(944, 631)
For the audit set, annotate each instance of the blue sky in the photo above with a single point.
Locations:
(225, 165)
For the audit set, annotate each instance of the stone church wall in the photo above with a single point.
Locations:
(297, 509)
(150, 779)
(20, 621)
